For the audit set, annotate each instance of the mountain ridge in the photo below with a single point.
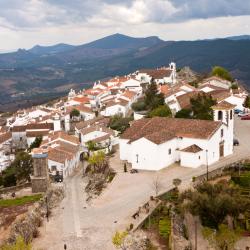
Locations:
(49, 73)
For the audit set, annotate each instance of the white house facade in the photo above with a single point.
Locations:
(153, 144)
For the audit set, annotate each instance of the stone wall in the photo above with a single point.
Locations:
(27, 226)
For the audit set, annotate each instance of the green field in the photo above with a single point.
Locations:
(20, 201)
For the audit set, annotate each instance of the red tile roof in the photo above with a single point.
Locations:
(83, 99)
(224, 105)
(160, 129)
(157, 73)
(5, 137)
(192, 149)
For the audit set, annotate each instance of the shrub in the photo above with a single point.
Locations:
(222, 73)
(161, 111)
(18, 245)
(118, 238)
(164, 227)
(184, 113)
(242, 180)
(119, 123)
(139, 105)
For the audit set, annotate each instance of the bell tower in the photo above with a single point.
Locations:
(223, 112)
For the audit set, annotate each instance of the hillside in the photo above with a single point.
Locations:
(42, 73)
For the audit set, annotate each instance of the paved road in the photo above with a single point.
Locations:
(91, 226)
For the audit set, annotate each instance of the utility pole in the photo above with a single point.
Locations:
(207, 162)
(195, 232)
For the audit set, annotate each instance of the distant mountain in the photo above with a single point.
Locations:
(236, 38)
(54, 49)
(119, 41)
(42, 73)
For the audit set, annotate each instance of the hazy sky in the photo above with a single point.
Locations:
(24, 23)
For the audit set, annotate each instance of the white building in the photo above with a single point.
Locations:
(156, 143)
(63, 153)
(217, 82)
(23, 136)
(162, 75)
(116, 107)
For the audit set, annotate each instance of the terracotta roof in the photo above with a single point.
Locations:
(192, 149)
(100, 120)
(129, 94)
(164, 89)
(210, 86)
(216, 78)
(175, 89)
(220, 95)
(224, 105)
(19, 128)
(157, 73)
(83, 99)
(101, 138)
(5, 137)
(63, 135)
(93, 128)
(35, 126)
(36, 133)
(184, 100)
(160, 129)
(67, 147)
(58, 155)
(119, 101)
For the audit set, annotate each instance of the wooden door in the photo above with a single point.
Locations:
(221, 149)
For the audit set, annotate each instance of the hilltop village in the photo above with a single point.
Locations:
(152, 123)
(85, 116)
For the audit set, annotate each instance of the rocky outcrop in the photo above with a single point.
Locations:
(137, 240)
(27, 226)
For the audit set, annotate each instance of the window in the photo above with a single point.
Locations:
(220, 115)
(169, 151)
(137, 158)
(53, 168)
(231, 114)
(221, 133)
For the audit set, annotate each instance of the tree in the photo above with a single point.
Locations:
(222, 73)
(247, 102)
(201, 107)
(234, 86)
(139, 105)
(74, 113)
(98, 161)
(153, 99)
(156, 185)
(119, 123)
(161, 111)
(184, 113)
(223, 238)
(91, 146)
(119, 238)
(9, 177)
(213, 203)
(23, 165)
(36, 143)
(176, 182)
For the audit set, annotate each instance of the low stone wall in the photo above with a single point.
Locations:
(217, 172)
(27, 226)
(14, 188)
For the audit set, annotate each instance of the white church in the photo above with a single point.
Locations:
(156, 143)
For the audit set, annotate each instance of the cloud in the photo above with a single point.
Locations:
(24, 23)
(40, 13)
